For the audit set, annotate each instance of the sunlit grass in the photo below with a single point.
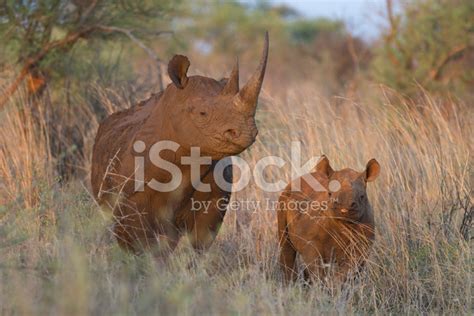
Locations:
(57, 254)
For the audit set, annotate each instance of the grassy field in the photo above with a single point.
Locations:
(57, 254)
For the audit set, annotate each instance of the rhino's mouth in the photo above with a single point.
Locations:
(351, 215)
(224, 149)
(233, 147)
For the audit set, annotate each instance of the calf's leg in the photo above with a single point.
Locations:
(287, 251)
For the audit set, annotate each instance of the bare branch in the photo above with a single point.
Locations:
(133, 38)
(70, 39)
(88, 11)
(141, 44)
(455, 53)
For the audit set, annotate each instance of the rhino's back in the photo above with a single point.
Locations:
(112, 140)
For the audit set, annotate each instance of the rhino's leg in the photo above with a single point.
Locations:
(315, 268)
(165, 230)
(139, 225)
(206, 223)
(202, 217)
(133, 228)
(287, 251)
(288, 259)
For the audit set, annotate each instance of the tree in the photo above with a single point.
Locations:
(431, 43)
(38, 33)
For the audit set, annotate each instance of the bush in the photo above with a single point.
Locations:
(431, 43)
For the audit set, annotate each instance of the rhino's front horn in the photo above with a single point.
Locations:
(248, 95)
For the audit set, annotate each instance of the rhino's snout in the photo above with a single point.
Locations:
(254, 133)
(242, 139)
(347, 201)
(354, 206)
(231, 134)
(251, 134)
(244, 136)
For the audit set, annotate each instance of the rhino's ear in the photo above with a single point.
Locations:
(324, 166)
(372, 170)
(177, 70)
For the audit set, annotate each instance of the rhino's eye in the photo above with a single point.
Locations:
(202, 113)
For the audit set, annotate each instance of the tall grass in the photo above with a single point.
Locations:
(420, 261)
(25, 157)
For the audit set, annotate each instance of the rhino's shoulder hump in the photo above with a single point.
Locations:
(114, 136)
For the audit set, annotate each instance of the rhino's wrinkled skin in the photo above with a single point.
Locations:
(333, 229)
(196, 111)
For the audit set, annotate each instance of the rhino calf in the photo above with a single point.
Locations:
(333, 228)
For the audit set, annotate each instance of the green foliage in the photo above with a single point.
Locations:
(226, 25)
(305, 31)
(431, 44)
(29, 28)
(29, 25)
(73, 46)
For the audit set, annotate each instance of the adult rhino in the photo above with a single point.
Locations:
(216, 116)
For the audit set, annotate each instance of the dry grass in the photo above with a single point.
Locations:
(57, 255)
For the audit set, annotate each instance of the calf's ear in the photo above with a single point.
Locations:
(324, 166)
(177, 70)
(372, 170)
